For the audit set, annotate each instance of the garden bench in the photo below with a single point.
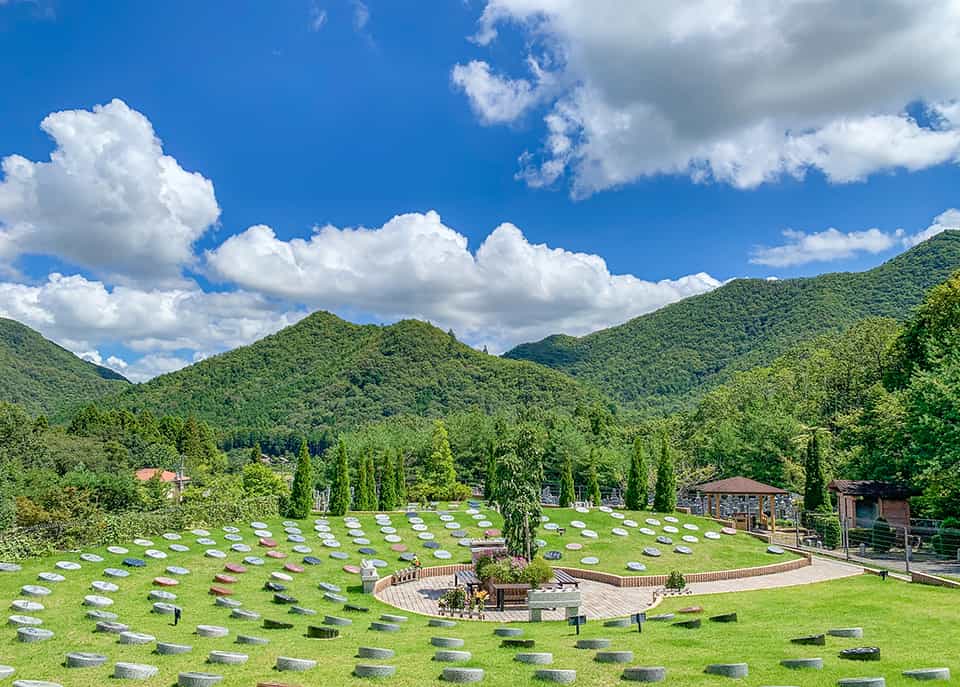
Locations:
(564, 579)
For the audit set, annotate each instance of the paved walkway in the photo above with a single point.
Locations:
(605, 601)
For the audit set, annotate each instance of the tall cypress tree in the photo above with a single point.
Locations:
(441, 472)
(490, 478)
(815, 494)
(301, 494)
(636, 496)
(340, 490)
(665, 495)
(388, 484)
(255, 453)
(593, 485)
(401, 475)
(366, 489)
(567, 493)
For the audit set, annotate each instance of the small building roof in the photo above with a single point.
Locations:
(872, 487)
(738, 485)
(146, 474)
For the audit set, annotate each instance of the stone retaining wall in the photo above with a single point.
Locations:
(924, 578)
(660, 580)
(637, 580)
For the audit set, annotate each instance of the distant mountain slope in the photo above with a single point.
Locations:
(325, 372)
(664, 360)
(44, 377)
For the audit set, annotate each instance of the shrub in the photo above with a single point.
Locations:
(882, 535)
(857, 535)
(831, 532)
(946, 542)
(484, 567)
(537, 572)
(675, 581)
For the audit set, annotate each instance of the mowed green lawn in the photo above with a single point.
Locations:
(915, 626)
(729, 552)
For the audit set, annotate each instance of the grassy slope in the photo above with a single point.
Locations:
(666, 359)
(325, 372)
(915, 626)
(45, 378)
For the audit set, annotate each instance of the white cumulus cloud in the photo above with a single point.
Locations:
(108, 199)
(510, 291)
(736, 92)
(832, 244)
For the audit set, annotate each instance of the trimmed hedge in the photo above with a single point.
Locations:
(19, 543)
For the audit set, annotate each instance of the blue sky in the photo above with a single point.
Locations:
(614, 135)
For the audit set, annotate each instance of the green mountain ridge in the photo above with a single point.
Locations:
(665, 360)
(325, 372)
(46, 378)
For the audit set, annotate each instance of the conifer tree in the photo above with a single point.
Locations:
(401, 475)
(441, 473)
(636, 496)
(255, 453)
(340, 490)
(301, 494)
(490, 478)
(665, 494)
(815, 494)
(593, 486)
(366, 489)
(388, 484)
(567, 493)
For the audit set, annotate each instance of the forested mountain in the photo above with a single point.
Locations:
(665, 360)
(324, 372)
(44, 377)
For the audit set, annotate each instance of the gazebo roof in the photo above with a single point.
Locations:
(738, 485)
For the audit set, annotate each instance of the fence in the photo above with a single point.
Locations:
(18, 543)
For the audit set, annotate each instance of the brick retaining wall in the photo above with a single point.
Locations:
(434, 571)
(924, 578)
(660, 580)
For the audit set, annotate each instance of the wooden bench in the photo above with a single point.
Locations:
(564, 579)
(406, 575)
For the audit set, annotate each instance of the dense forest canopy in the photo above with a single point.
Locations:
(664, 361)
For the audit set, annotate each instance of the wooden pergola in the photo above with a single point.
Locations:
(743, 487)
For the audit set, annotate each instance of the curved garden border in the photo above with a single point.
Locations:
(631, 581)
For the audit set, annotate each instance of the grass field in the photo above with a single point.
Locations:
(915, 626)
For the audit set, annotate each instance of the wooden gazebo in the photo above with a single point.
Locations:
(744, 487)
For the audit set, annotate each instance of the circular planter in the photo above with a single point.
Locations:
(507, 632)
(229, 658)
(367, 670)
(593, 643)
(439, 622)
(82, 659)
(613, 657)
(134, 671)
(463, 675)
(171, 649)
(798, 663)
(251, 640)
(734, 670)
(212, 631)
(563, 677)
(536, 659)
(198, 679)
(375, 652)
(295, 664)
(451, 656)
(645, 674)
(136, 638)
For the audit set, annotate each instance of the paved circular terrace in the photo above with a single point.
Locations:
(606, 601)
